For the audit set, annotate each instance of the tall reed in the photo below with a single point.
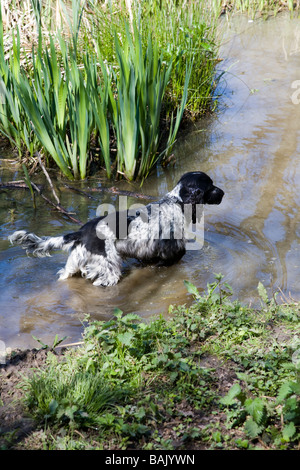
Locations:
(141, 83)
(186, 31)
(13, 119)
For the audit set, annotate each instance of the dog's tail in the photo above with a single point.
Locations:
(42, 246)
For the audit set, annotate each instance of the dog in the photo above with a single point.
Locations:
(153, 234)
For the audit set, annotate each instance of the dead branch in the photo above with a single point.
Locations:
(113, 190)
(57, 206)
(16, 185)
(48, 177)
(79, 191)
(121, 192)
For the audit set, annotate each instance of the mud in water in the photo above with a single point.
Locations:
(250, 148)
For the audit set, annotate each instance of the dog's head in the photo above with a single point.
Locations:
(197, 188)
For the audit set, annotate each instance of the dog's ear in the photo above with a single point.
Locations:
(190, 195)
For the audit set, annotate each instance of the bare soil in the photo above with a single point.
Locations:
(15, 423)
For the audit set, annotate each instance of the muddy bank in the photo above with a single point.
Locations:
(15, 423)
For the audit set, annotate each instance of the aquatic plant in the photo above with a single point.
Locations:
(258, 7)
(141, 84)
(13, 120)
(188, 34)
(74, 88)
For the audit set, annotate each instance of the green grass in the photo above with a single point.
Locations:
(158, 385)
(262, 7)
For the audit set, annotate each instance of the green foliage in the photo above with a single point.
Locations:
(257, 414)
(141, 83)
(103, 383)
(289, 398)
(70, 397)
(263, 7)
(55, 343)
(130, 377)
(235, 393)
(28, 182)
(13, 122)
(115, 84)
(188, 35)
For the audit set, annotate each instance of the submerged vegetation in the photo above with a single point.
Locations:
(110, 81)
(216, 375)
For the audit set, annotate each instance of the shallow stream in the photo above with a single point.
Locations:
(250, 148)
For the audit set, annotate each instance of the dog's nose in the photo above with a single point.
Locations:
(219, 195)
(215, 196)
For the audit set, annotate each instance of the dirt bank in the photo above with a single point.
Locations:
(15, 423)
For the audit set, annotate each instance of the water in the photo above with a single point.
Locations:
(250, 149)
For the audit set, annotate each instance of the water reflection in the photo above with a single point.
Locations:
(251, 150)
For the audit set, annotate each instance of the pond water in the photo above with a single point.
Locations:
(250, 148)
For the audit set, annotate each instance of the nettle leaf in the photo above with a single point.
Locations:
(70, 411)
(257, 409)
(284, 391)
(141, 413)
(288, 431)
(295, 387)
(234, 393)
(191, 288)
(262, 291)
(53, 405)
(252, 429)
(125, 338)
(184, 366)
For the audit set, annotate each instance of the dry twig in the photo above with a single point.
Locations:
(57, 206)
(48, 178)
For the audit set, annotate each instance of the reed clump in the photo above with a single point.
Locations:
(261, 8)
(118, 74)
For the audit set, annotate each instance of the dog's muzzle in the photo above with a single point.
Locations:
(214, 196)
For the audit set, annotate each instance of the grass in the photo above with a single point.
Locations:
(262, 7)
(216, 375)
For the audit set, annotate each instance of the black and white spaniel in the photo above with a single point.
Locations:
(153, 234)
